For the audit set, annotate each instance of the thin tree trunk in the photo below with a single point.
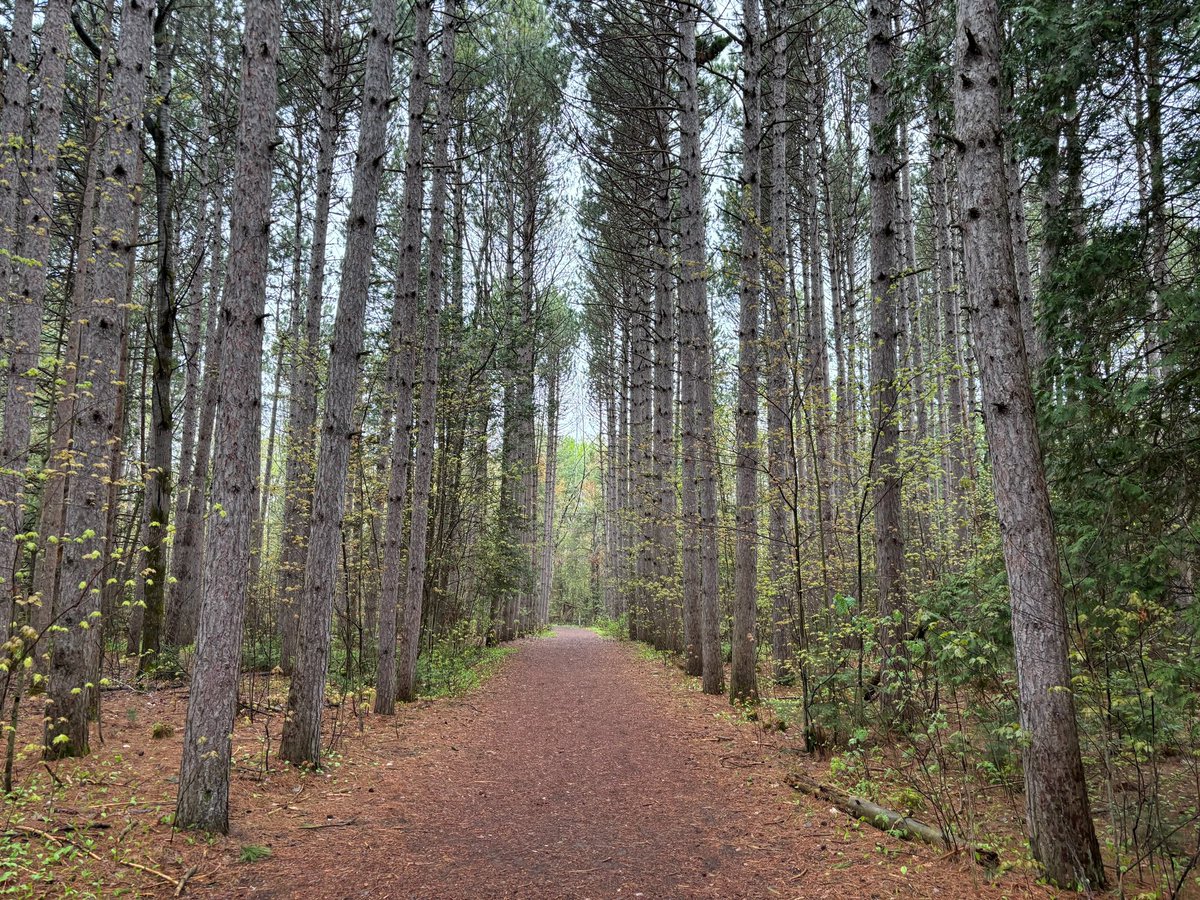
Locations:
(542, 619)
(885, 288)
(301, 740)
(406, 664)
(743, 674)
(403, 359)
(187, 561)
(780, 461)
(302, 413)
(700, 566)
(162, 416)
(666, 536)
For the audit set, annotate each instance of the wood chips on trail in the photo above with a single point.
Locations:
(580, 770)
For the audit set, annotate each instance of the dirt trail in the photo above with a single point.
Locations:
(580, 770)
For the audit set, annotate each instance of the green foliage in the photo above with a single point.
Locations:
(614, 629)
(252, 853)
(457, 664)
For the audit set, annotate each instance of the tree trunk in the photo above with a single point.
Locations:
(162, 416)
(14, 133)
(780, 456)
(743, 674)
(666, 537)
(301, 740)
(187, 561)
(1061, 833)
(53, 500)
(403, 361)
(84, 567)
(28, 293)
(302, 413)
(700, 566)
(546, 584)
(207, 740)
(410, 638)
(885, 287)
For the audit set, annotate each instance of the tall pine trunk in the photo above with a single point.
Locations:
(302, 413)
(699, 491)
(160, 476)
(402, 362)
(301, 740)
(207, 741)
(743, 675)
(28, 291)
(410, 640)
(95, 431)
(885, 289)
(1061, 832)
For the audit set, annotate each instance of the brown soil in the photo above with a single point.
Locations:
(580, 770)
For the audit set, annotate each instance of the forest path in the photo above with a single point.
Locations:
(580, 770)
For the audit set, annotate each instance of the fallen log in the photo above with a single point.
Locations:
(895, 823)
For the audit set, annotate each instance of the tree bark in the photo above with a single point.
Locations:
(96, 439)
(14, 134)
(302, 413)
(28, 293)
(301, 740)
(207, 741)
(780, 452)
(162, 417)
(1061, 833)
(703, 642)
(410, 639)
(743, 674)
(885, 287)
(403, 362)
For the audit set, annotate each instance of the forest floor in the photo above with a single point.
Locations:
(582, 769)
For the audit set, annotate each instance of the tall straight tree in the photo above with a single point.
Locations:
(95, 438)
(159, 476)
(700, 567)
(302, 411)
(28, 294)
(743, 675)
(1061, 832)
(406, 667)
(666, 535)
(780, 447)
(207, 741)
(301, 741)
(404, 317)
(14, 130)
(883, 168)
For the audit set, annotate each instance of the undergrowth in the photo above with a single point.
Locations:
(614, 629)
(449, 669)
